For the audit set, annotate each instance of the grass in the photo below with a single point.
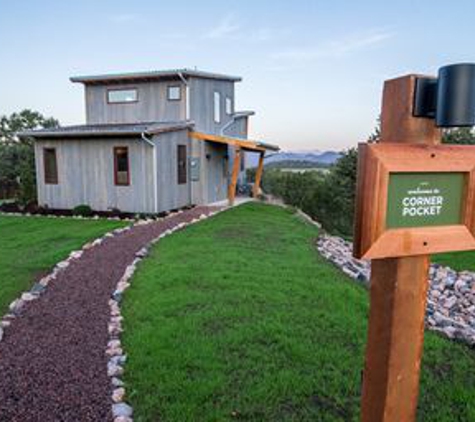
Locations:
(458, 261)
(30, 247)
(239, 319)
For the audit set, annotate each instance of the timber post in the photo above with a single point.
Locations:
(234, 175)
(259, 171)
(398, 287)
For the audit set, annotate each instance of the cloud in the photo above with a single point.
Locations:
(226, 27)
(124, 17)
(336, 48)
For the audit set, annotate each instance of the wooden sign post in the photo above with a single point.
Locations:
(415, 197)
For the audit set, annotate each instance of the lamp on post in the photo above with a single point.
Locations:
(450, 98)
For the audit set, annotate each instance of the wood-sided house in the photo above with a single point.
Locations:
(152, 142)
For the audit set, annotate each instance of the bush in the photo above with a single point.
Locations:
(327, 197)
(83, 210)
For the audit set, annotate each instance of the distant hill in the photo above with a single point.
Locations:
(317, 158)
(296, 164)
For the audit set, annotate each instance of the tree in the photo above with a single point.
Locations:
(376, 135)
(17, 157)
(460, 136)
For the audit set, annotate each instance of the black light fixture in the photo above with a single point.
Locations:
(450, 98)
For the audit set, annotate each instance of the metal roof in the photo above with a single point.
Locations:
(107, 130)
(153, 74)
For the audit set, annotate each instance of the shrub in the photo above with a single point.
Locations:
(327, 197)
(83, 210)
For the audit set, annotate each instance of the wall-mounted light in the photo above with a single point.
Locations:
(450, 98)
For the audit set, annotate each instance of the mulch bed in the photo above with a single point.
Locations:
(53, 365)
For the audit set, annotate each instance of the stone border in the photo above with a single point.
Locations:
(74, 217)
(122, 411)
(451, 294)
(39, 287)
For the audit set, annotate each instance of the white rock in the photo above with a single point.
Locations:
(118, 395)
(121, 409)
(114, 370)
(123, 419)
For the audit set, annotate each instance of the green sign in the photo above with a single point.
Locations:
(424, 199)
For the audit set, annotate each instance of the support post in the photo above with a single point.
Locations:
(398, 289)
(234, 176)
(259, 171)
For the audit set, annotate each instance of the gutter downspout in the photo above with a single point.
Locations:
(154, 165)
(187, 117)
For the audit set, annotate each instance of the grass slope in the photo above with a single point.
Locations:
(239, 318)
(459, 261)
(29, 247)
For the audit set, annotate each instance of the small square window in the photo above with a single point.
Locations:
(174, 93)
(229, 106)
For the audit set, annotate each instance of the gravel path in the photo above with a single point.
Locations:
(52, 361)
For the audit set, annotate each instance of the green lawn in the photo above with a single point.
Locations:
(458, 261)
(30, 247)
(239, 318)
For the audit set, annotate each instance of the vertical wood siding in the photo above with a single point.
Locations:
(152, 104)
(171, 195)
(86, 175)
(202, 103)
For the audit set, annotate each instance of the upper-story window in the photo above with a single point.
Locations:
(174, 93)
(229, 106)
(217, 107)
(118, 96)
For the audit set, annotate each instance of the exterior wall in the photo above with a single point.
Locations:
(202, 103)
(170, 194)
(217, 171)
(239, 129)
(152, 105)
(86, 175)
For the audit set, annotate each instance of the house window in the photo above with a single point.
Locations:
(119, 96)
(229, 106)
(121, 166)
(174, 93)
(50, 166)
(181, 164)
(217, 107)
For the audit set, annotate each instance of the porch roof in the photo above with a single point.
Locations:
(245, 144)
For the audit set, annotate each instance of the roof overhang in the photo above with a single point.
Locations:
(152, 75)
(245, 144)
(106, 130)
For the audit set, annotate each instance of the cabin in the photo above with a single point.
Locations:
(153, 142)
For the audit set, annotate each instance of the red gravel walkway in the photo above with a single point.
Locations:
(52, 361)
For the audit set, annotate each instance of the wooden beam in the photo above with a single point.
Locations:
(259, 171)
(234, 176)
(241, 143)
(398, 289)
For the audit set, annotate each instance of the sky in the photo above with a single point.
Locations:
(312, 70)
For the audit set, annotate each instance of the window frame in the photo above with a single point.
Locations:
(48, 180)
(116, 166)
(132, 88)
(217, 107)
(229, 101)
(179, 92)
(182, 170)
